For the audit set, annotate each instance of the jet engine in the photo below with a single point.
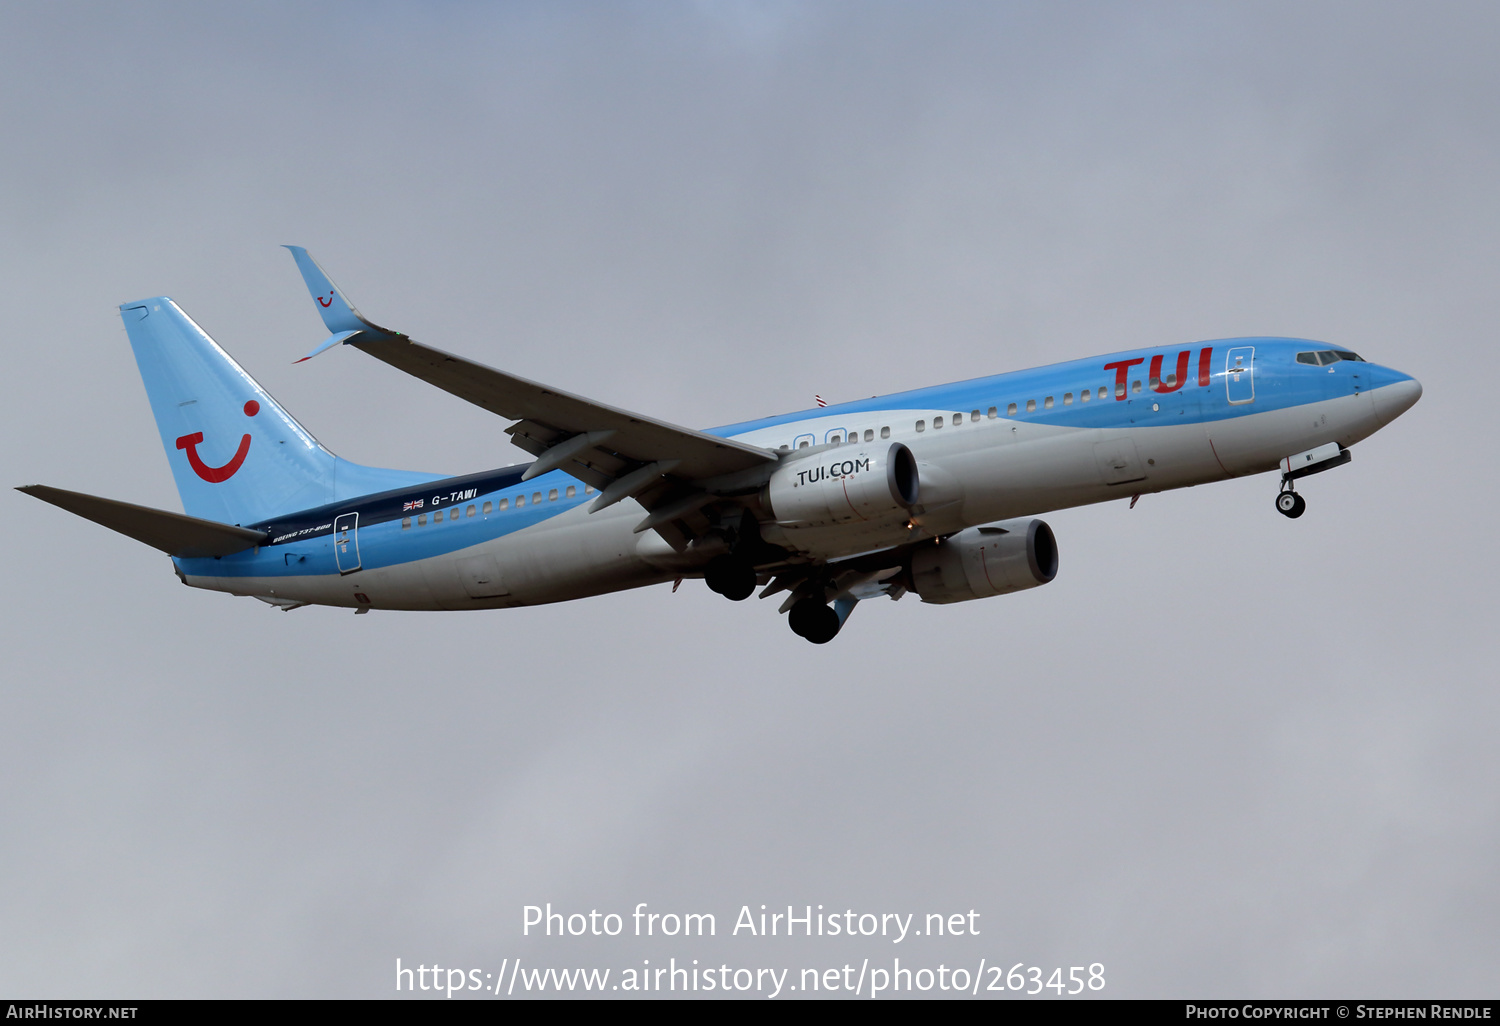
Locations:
(983, 561)
(841, 485)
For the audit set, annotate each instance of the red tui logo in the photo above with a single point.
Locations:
(217, 475)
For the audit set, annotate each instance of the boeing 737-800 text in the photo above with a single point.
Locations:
(933, 491)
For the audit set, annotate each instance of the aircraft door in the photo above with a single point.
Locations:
(346, 542)
(1239, 374)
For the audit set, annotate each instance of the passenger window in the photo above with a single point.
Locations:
(1031, 406)
(974, 416)
(1104, 392)
(921, 425)
(504, 505)
(589, 489)
(437, 518)
(869, 434)
(885, 432)
(488, 508)
(994, 413)
(1085, 395)
(804, 445)
(405, 523)
(1135, 386)
(520, 501)
(536, 497)
(552, 495)
(1047, 403)
(469, 512)
(572, 491)
(1067, 398)
(958, 418)
(1010, 411)
(937, 422)
(421, 519)
(1119, 391)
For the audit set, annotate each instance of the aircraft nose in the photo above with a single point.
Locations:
(1396, 398)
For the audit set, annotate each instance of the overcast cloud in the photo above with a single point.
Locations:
(1224, 753)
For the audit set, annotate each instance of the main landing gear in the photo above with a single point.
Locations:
(816, 621)
(730, 576)
(1289, 503)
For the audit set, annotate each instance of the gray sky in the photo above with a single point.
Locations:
(1224, 754)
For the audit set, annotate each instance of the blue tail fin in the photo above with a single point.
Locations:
(237, 456)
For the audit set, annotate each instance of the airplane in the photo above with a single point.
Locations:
(934, 491)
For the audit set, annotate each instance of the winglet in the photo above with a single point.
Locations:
(337, 312)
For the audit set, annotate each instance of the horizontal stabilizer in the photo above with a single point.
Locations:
(172, 533)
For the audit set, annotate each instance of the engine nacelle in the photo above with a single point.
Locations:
(850, 483)
(984, 561)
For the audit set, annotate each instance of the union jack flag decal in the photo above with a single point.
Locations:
(414, 504)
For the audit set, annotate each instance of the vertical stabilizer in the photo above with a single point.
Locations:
(237, 456)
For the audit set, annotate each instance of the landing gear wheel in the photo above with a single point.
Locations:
(733, 578)
(1290, 504)
(814, 620)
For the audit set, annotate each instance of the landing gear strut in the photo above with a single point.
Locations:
(1289, 503)
(730, 576)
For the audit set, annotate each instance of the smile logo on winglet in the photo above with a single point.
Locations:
(216, 475)
(326, 303)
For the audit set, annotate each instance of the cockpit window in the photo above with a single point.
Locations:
(1327, 356)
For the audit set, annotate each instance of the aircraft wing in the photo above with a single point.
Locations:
(623, 454)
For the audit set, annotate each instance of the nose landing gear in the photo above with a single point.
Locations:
(1313, 461)
(1289, 503)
